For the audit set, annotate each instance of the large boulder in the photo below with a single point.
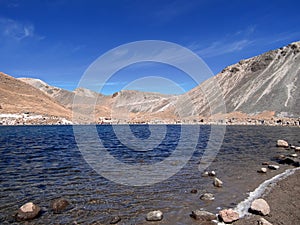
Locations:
(28, 211)
(228, 215)
(202, 215)
(156, 215)
(282, 143)
(260, 207)
(59, 205)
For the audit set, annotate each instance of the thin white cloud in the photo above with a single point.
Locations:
(222, 47)
(16, 30)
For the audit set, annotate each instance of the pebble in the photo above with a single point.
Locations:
(59, 205)
(260, 206)
(263, 221)
(228, 215)
(207, 197)
(273, 167)
(282, 143)
(262, 170)
(217, 182)
(115, 220)
(156, 215)
(28, 211)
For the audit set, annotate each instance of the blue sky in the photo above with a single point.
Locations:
(56, 40)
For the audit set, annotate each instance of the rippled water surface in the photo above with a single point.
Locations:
(41, 163)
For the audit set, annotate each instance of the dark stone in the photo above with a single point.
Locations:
(115, 220)
(194, 191)
(59, 205)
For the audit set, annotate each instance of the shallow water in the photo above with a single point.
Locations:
(41, 163)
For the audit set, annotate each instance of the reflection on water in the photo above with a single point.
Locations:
(41, 163)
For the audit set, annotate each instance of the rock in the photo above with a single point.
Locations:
(207, 197)
(212, 173)
(292, 146)
(154, 216)
(218, 182)
(263, 221)
(228, 215)
(265, 163)
(293, 155)
(260, 206)
(203, 215)
(288, 161)
(273, 167)
(205, 174)
(59, 205)
(28, 211)
(115, 220)
(297, 148)
(194, 191)
(282, 143)
(262, 170)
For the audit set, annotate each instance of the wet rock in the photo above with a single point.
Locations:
(28, 211)
(282, 143)
(212, 173)
(263, 221)
(115, 220)
(262, 170)
(293, 155)
(156, 215)
(203, 215)
(297, 148)
(273, 167)
(59, 205)
(228, 215)
(207, 197)
(194, 191)
(217, 182)
(260, 206)
(292, 146)
(205, 174)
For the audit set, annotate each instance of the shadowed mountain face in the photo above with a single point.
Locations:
(268, 82)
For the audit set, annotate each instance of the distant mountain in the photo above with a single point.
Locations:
(267, 85)
(19, 97)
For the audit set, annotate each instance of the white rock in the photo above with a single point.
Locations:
(207, 197)
(282, 143)
(294, 155)
(297, 148)
(260, 206)
(156, 215)
(273, 167)
(212, 173)
(218, 182)
(262, 170)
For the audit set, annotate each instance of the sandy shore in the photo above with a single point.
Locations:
(284, 201)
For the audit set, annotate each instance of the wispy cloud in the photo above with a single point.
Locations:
(16, 30)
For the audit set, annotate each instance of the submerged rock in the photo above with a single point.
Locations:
(297, 148)
(28, 211)
(59, 205)
(218, 182)
(282, 143)
(115, 220)
(156, 215)
(260, 206)
(207, 197)
(194, 191)
(228, 215)
(203, 215)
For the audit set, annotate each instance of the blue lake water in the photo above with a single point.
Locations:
(41, 163)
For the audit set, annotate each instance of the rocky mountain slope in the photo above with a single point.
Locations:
(19, 97)
(267, 85)
(268, 82)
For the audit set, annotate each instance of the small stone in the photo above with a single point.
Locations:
(203, 215)
(154, 216)
(59, 205)
(273, 167)
(28, 211)
(297, 148)
(218, 182)
(282, 143)
(207, 197)
(260, 206)
(115, 220)
(194, 191)
(212, 173)
(293, 155)
(205, 174)
(228, 215)
(262, 170)
(265, 163)
(292, 146)
(263, 221)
